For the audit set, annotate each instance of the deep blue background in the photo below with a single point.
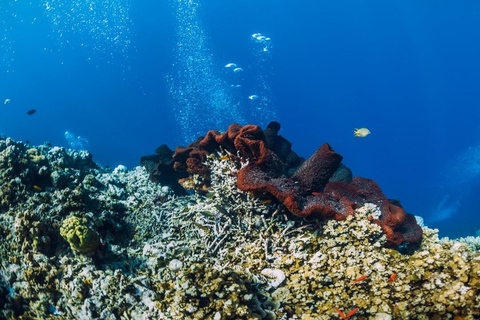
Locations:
(408, 71)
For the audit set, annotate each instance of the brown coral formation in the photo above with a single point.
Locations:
(160, 167)
(306, 189)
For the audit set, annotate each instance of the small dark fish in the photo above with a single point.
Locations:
(31, 111)
(210, 195)
(207, 214)
(201, 226)
(222, 210)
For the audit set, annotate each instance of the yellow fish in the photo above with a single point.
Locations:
(361, 133)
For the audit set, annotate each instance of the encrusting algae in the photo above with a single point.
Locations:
(104, 245)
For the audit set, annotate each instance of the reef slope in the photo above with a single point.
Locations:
(82, 242)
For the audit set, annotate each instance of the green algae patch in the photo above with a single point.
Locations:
(79, 235)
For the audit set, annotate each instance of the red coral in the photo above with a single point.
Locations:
(310, 191)
(396, 224)
(315, 172)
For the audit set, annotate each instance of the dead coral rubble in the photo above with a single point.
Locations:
(320, 187)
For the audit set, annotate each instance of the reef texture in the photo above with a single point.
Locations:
(319, 187)
(160, 167)
(97, 244)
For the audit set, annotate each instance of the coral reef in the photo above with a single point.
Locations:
(221, 254)
(318, 187)
(47, 193)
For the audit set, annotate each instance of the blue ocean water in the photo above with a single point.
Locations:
(123, 77)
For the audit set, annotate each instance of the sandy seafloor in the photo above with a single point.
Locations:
(83, 242)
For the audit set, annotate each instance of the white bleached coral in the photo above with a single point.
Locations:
(276, 276)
